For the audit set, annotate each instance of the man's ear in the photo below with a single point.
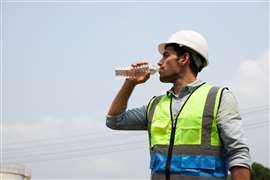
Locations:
(185, 58)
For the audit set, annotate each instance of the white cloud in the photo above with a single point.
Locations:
(251, 83)
(97, 149)
(251, 87)
(50, 127)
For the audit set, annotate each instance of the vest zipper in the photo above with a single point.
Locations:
(174, 122)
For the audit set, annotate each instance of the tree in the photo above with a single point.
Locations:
(259, 172)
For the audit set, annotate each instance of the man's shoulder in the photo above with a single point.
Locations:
(218, 86)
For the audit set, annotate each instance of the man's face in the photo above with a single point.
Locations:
(169, 67)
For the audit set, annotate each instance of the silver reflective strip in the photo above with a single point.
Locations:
(188, 150)
(208, 116)
(152, 108)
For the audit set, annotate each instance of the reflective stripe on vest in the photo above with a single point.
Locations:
(196, 133)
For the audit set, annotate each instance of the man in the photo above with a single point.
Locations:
(195, 130)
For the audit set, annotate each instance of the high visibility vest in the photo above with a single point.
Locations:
(188, 147)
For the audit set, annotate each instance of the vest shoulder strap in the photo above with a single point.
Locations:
(210, 112)
(149, 114)
(152, 106)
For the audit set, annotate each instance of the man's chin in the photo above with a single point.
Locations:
(164, 80)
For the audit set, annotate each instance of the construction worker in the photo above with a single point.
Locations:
(195, 130)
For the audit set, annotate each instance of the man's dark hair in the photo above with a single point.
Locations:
(180, 50)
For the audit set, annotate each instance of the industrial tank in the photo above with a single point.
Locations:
(11, 171)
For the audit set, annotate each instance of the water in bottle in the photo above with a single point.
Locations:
(133, 72)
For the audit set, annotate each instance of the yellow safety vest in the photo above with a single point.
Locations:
(190, 145)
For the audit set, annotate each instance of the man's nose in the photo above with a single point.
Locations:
(160, 62)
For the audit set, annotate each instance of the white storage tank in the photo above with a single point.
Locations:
(11, 171)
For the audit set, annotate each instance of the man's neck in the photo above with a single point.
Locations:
(179, 84)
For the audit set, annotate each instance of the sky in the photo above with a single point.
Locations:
(57, 78)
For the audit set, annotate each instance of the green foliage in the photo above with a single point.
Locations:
(259, 172)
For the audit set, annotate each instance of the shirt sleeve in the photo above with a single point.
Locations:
(133, 119)
(231, 131)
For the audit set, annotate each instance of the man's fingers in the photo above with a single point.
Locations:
(138, 64)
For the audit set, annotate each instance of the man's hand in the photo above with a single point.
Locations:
(143, 76)
(240, 173)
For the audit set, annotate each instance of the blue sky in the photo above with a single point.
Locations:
(58, 77)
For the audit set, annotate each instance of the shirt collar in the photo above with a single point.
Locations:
(188, 88)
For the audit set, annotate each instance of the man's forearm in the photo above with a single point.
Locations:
(240, 173)
(119, 103)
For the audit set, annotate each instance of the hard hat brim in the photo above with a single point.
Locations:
(161, 46)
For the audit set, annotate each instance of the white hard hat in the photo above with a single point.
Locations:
(190, 39)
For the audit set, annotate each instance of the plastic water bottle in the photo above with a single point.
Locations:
(131, 72)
